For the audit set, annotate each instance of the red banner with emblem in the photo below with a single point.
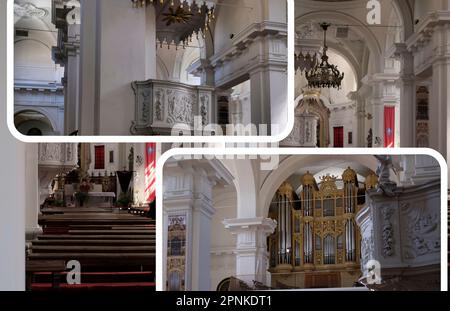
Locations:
(389, 127)
(150, 172)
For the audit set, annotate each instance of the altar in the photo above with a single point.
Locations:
(100, 199)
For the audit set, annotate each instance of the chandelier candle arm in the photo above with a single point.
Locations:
(195, 16)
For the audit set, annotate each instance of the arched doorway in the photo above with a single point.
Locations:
(33, 123)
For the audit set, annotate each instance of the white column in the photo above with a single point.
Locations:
(12, 209)
(12, 181)
(31, 192)
(439, 112)
(150, 43)
(440, 95)
(252, 258)
(269, 98)
(89, 67)
(188, 190)
(202, 212)
(260, 111)
(118, 47)
(72, 89)
(407, 97)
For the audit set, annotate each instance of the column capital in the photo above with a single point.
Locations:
(251, 246)
(213, 169)
(243, 225)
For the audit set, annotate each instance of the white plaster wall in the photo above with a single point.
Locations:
(33, 62)
(223, 265)
(173, 63)
(31, 187)
(225, 203)
(12, 178)
(233, 17)
(33, 54)
(34, 69)
(123, 60)
(422, 8)
(223, 243)
(343, 117)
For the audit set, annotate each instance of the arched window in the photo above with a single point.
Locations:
(224, 285)
(34, 132)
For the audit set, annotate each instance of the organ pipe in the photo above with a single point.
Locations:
(284, 228)
(302, 238)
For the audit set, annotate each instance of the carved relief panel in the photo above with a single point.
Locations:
(161, 105)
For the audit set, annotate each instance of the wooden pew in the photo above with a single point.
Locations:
(105, 242)
(54, 267)
(117, 248)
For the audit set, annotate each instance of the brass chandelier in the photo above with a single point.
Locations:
(324, 75)
(181, 20)
(305, 61)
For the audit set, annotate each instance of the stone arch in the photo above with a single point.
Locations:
(405, 12)
(185, 58)
(231, 20)
(273, 181)
(35, 40)
(362, 30)
(43, 121)
(320, 110)
(247, 198)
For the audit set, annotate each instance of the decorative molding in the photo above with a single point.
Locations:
(57, 154)
(29, 10)
(388, 231)
(422, 231)
(430, 29)
(160, 105)
(268, 38)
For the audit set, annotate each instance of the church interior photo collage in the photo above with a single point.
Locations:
(224, 146)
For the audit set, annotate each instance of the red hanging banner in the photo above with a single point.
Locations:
(389, 127)
(99, 163)
(150, 172)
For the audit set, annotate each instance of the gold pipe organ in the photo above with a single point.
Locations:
(316, 229)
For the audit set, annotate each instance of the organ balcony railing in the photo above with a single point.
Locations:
(316, 227)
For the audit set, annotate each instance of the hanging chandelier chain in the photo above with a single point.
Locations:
(323, 74)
